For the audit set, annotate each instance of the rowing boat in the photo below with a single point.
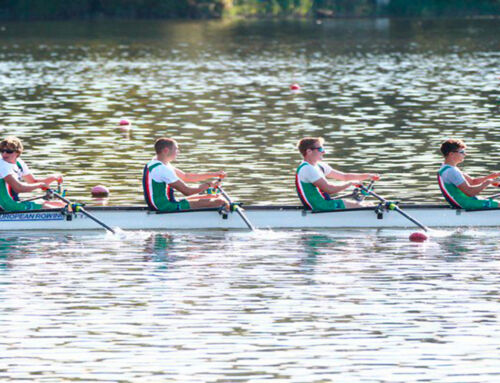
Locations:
(262, 217)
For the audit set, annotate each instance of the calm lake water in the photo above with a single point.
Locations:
(281, 306)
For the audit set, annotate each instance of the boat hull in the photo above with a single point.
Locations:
(262, 217)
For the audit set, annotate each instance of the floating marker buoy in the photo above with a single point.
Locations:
(99, 191)
(125, 125)
(418, 237)
(295, 86)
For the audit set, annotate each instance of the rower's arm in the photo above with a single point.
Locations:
(22, 187)
(327, 187)
(188, 190)
(30, 178)
(341, 176)
(197, 177)
(480, 180)
(473, 190)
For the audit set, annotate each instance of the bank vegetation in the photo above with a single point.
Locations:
(196, 9)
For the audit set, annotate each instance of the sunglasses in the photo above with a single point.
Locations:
(8, 151)
(319, 149)
(462, 151)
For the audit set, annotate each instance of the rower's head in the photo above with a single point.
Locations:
(453, 150)
(11, 148)
(311, 148)
(166, 148)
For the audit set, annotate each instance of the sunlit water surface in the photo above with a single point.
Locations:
(384, 94)
(296, 306)
(283, 306)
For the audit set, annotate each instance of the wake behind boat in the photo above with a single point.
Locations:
(262, 217)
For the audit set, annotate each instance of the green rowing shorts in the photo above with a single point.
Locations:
(175, 206)
(328, 205)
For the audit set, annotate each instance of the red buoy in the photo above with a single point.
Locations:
(418, 237)
(295, 86)
(124, 122)
(99, 191)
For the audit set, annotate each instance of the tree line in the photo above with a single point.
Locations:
(194, 9)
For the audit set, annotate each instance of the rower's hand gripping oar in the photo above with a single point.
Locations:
(48, 192)
(80, 209)
(238, 209)
(497, 185)
(393, 206)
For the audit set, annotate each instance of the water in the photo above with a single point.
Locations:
(281, 306)
(384, 94)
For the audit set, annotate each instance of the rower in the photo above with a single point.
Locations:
(458, 188)
(16, 177)
(310, 180)
(160, 178)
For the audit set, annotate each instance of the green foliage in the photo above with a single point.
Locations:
(135, 9)
(146, 9)
(427, 8)
(273, 7)
(26, 9)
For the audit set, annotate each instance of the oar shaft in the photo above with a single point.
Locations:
(238, 210)
(423, 227)
(33, 198)
(95, 219)
(83, 211)
(397, 208)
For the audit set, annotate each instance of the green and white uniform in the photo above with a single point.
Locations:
(9, 200)
(158, 193)
(449, 178)
(312, 198)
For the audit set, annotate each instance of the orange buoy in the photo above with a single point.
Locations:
(99, 191)
(418, 237)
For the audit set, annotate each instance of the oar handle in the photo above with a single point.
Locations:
(82, 210)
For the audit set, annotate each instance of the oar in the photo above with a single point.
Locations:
(237, 208)
(393, 206)
(33, 198)
(355, 194)
(368, 189)
(82, 210)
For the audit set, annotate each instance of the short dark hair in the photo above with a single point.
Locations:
(12, 143)
(452, 145)
(309, 143)
(164, 142)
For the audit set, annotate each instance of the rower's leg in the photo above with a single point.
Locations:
(54, 204)
(212, 202)
(199, 197)
(355, 204)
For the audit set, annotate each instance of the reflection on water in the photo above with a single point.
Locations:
(383, 93)
(311, 306)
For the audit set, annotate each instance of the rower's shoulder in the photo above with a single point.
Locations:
(5, 166)
(447, 167)
(154, 163)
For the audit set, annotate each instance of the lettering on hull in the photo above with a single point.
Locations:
(6, 217)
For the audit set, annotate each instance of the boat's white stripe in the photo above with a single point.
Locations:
(262, 217)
